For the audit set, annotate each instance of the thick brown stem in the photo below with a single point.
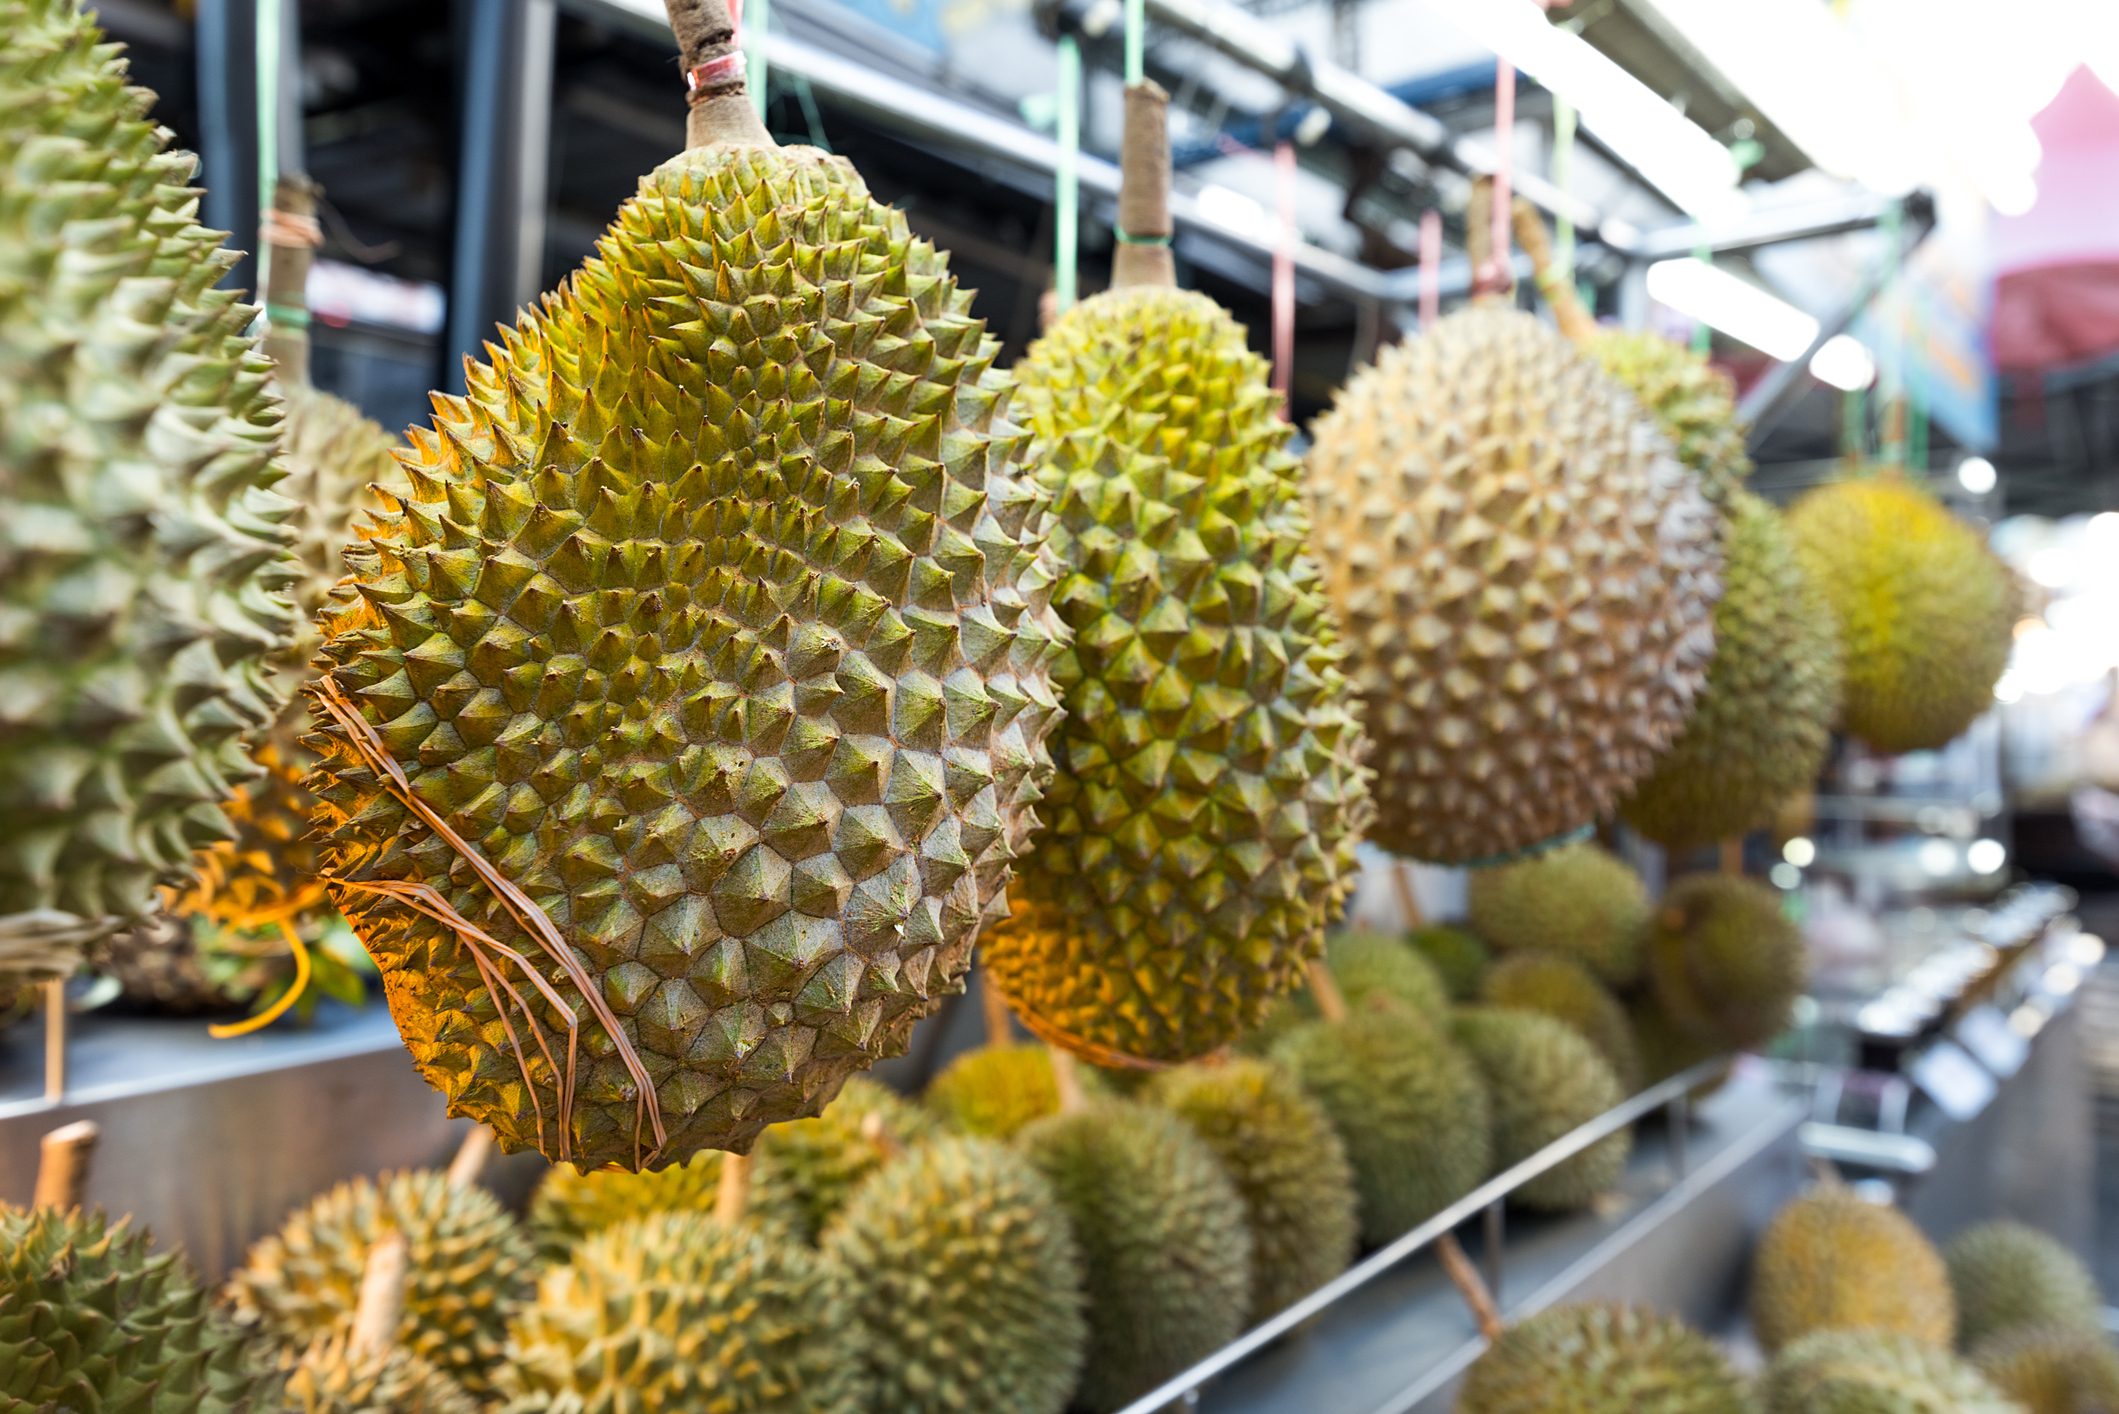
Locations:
(1465, 1277)
(471, 1156)
(1331, 1002)
(1000, 1022)
(291, 231)
(1479, 238)
(62, 1166)
(1733, 855)
(732, 1199)
(1408, 901)
(720, 97)
(55, 1038)
(1559, 291)
(1144, 227)
(1067, 1081)
(382, 1300)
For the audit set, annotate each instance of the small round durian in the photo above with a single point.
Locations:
(2006, 1274)
(1602, 1358)
(1459, 958)
(1875, 1372)
(1725, 960)
(1832, 1260)
(1579, 901)
(995, 1091)
(1566, 991)
(2062, 1369)
(1545, 1082)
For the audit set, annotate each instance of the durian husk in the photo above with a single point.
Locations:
(2063, 1369)
(1602, 1358)
(1831, 1260)
(806, 1169)
(1726, 962)
(2008, 1274)
(1579, 901)
(331, 1377)
(1853, 1371)
(996, 1091)
(1545, 1081)
(1566, 991)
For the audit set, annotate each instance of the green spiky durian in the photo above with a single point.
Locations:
(995, 1091)
(1923, 608)
(1166, 1258)
(1206, 799)
(1726, 961)
(1691, 400)
(1579, 901)
(1366, 966)
(1566, 991)
(1545, 1081)
(2063, 1369)
(715, 617)
(92, 1318)
(807, 1168)
(572, 1206)
(1764, 720)
(1602, 1358)
(331, 1377)
(142, 560)
(1459, 958)
(1666, 1048)
(467, 1264)
(676, 1311)
(1872, 1372)
(1831, 1260)
(967, 1281)
(1409, 1106)
(2005, 1274)
(1278, 1147)
(1526, 576)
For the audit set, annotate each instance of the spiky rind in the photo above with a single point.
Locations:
(806, 1169)
(1166, 1258)
(1602, 1358)
(1726, 961)
(93, 1318)
(1566, 991)
(995, 1091)
(967, 1281)
(468, 1264)
(1667, 1048)
(1278, 1147)
(572, 1206)
(1545, 1082)
(1923, 608)
(2063, 1369)
(1578, 901)
(1764, 721)
(1871, 1372)
(142, 560)
(1409, 1106)
(1458, 956)
(677, 1311)
(1367, 967)
(716, 618)
(1207, 794)
(1526, 575)
(2005, 1274)
(1691, 400)
(331, 1378)
(1831, 1260)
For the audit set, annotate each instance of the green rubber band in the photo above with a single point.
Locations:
(1127, 238)
(289, 316)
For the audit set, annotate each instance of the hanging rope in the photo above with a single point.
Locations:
(1284, 280)
(1066, 222)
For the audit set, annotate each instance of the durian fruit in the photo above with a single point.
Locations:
(1207, 796)
(1278, 1147)
(1366, 967)
(1923, 608)
(1875, 1372)
(1409, 1106)
(1726, 961)
(1764, 721)
(806, 1169)
(2005, 1274)
(142, 560)
(2063, 1369)
(1459, 958)
(332, 1377)
(1166, 1257)
(966, 1280)
(995, 1091)
(1602, 1358)
(1832, 1260)
(1526, 574)
(1579, 901)
(92, 1318)
(713, 639)
(1566, 991)
(467, 1264)
(571, 1206)
(1666, 1048)
(677, 1311)
(1545, 1081)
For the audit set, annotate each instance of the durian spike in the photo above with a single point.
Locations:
(292, 233)
(55, 1039)
(1144, 226)
(1000, 1022)
(1568, 312)
(733, 1197)
(1067, 1081)
(471, 1156)
(1331, 1002)
(721, 110)
(1408, 901)
(62, 1166)
(1465, 1277)
(382, 1300)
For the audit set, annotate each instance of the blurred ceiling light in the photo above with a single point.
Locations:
(1986, 856)
(1800, 851)
(1845, 362)
(1938, 858)
(1976, 475)
(1233, 211)
(1741, 310)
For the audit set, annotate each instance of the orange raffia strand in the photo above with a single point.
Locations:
(278, 1009)
(368, 743)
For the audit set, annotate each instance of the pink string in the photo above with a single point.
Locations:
(1284, 281)
(1497, 278)
(1430, 268)
(721, 70)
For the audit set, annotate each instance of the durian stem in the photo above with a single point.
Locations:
(291, 232)
(278, 1009)
(1408, 901)
(1000, 1022)
(1465, 1277)
(382, 1300)
(1559, 291)
(1144, 226)
(732, 1199)
(471, 1156)
(1331, 1002)
(62, 1166)
(1067, 1081)
(721, 110)
(1732, 852)
(1488, 276)
(55, 1039)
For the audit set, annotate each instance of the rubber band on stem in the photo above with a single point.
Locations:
(1124, 237)
(229, 1030)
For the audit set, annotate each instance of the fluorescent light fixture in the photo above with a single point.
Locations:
(1845, 362)
(1976, 475)
(1677, 156)
(1739, 309)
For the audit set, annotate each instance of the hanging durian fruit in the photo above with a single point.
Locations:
(142, 560)
(1206, 796)
(681, 723)
(1923, 607)
(1526, 574)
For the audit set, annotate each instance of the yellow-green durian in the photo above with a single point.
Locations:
(1833, 1261)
